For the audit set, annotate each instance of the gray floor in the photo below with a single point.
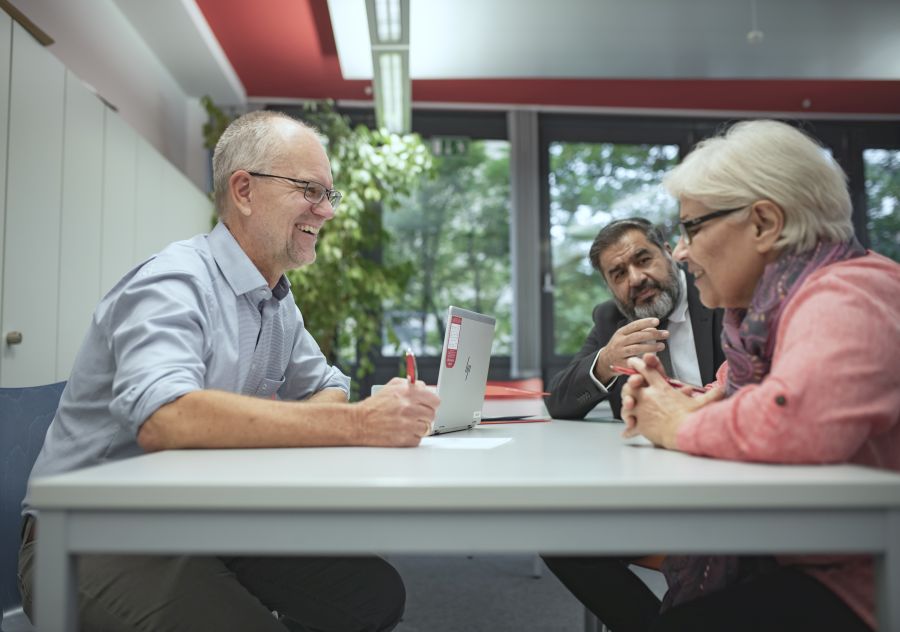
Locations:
(487, 593)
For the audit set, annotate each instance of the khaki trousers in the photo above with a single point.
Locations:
(125, 593)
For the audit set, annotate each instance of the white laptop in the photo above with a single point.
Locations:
(462, 378)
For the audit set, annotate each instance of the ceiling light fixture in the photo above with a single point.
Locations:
(389, 34)
(754, 36)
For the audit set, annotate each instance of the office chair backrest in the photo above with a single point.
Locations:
(25, 414)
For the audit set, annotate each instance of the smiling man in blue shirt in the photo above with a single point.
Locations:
(202, 346)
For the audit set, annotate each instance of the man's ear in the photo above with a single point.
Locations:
(239, 191)
(767, 219)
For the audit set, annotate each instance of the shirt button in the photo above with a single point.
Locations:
(781, 400)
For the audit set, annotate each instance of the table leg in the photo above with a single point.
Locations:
(887, 574)
(55, 590)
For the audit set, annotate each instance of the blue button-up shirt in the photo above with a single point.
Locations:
(198, 315)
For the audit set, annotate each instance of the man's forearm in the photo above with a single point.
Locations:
(218, 419)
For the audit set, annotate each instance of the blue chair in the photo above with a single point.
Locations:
(25, 414)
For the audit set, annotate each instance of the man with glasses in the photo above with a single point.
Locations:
(655, 309)
(202, 346)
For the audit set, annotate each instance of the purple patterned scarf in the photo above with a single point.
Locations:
(748, 341)
(748, 335)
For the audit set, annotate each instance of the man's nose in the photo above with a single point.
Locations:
(635, 276)
(323, 209)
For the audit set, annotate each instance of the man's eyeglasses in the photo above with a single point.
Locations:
(689, 227)
(312, 191)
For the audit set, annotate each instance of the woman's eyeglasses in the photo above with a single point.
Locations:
(689, 227)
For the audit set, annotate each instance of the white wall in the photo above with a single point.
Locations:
(86, 198)
(94, 40)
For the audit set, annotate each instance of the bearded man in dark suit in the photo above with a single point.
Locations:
(655, 308)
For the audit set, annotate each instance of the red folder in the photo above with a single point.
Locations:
(496, 391)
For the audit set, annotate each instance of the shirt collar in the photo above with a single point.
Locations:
(679, 314)
(239, 271)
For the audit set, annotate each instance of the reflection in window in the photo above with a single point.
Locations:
(592, 184)
(455, 228)
(883, 200)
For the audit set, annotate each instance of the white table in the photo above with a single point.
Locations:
(558, 487)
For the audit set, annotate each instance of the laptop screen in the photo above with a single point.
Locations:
(463, 373)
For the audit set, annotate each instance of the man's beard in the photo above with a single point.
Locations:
(661, 306)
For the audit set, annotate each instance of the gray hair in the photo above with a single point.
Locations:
(612, 233)
(770, 160)
(250, 142)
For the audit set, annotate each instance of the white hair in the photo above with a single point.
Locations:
(769, 160)
(251, 142)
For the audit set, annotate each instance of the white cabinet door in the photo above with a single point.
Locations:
(119, 168)
(33, 190)
(152, 231)
(5, 59)
(82, 198)
(191, 211)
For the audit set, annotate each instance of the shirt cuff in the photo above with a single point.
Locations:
(604, 388)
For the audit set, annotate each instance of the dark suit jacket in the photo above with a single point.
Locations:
(572, 391)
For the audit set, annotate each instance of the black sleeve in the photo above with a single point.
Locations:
(573, 394)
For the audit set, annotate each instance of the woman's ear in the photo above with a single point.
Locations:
(768, 221)
(239, 191)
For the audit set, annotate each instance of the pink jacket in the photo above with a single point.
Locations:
(832, 396)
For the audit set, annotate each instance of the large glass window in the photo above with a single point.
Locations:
(882, 170)
(455, 227)
(592, 184)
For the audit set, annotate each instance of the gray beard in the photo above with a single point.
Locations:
(661, 306)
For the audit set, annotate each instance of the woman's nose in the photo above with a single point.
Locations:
(680, 252)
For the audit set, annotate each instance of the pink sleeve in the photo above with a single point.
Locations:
(834, 379)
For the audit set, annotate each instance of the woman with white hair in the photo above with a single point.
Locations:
(811, 334)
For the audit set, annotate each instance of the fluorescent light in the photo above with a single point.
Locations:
(389, 22)
(390, 92)
(389, 34)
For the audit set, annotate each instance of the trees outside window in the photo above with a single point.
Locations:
(882, 170)
(455, 228)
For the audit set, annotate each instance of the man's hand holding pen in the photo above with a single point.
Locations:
(399, 414)
(412, 369)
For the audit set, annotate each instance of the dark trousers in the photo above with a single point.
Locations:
(119, 593)
(784, 600)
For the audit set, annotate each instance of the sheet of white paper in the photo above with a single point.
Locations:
(463, 443)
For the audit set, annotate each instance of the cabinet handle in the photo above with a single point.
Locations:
(14, 338)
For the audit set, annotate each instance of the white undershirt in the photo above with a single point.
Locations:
(682, 350)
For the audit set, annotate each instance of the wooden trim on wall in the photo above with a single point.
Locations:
(28, 25)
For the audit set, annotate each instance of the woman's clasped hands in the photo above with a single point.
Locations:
(653, 408)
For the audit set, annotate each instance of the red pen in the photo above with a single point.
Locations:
(627, 370)
(411, 370)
